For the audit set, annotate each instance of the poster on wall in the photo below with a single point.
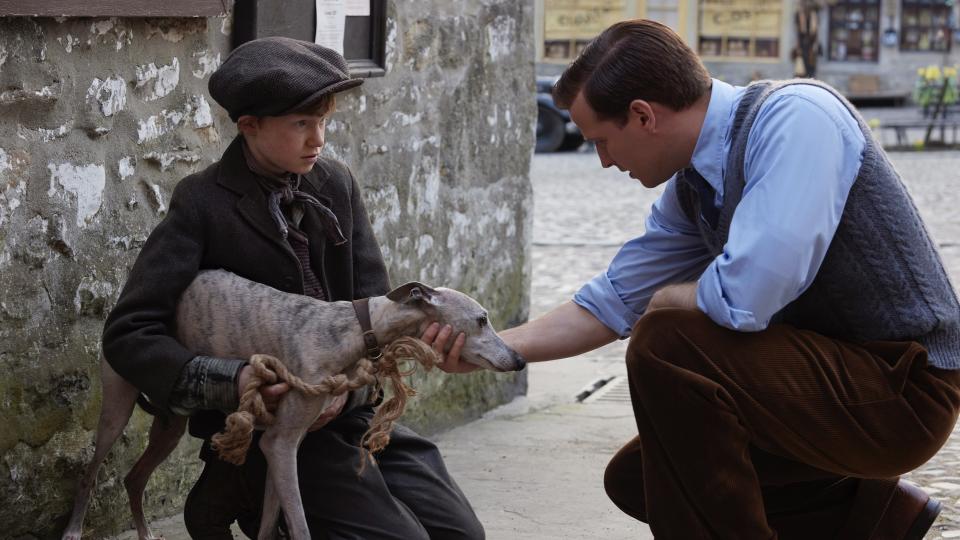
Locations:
(331, 21)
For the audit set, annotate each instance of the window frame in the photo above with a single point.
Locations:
(246, 27)
(934, 6)
(114, 8)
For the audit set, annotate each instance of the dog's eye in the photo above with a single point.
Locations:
(482, 320)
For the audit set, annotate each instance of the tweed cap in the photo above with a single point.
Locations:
(275, 75)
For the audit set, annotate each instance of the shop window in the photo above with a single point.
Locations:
(731, 29)
(925, 25)
(854, 31)
(664, 11)
(570, 24)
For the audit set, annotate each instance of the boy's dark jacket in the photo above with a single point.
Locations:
(218, 218)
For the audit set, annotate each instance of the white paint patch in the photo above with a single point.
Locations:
(85, 182)
(406, 119)
(102, 26)
(508, 117)
(10, 200)
(420, 143)
(47, 135)
(424, 190)
(494, 118)
(424, 245)
(157, 198)
(391, 45)
(167, 159)
(110, 94)
(207, 63)
(164, 79)
(157, 125)
(226, 26)
(5, 164)
(384, 208)
(68, 42)
(459, 223)
(201, 112)
(504, 216)
(126, 167)
(362, 106)
(500, 36)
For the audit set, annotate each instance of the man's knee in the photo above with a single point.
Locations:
(658, 334)
(623, 481)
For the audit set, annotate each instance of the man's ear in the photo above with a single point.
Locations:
(642, 111)
(412, 292)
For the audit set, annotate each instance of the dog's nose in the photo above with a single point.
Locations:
(518, 361)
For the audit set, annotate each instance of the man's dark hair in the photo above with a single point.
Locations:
(635, 59)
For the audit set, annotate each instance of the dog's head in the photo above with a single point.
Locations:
(483, 347)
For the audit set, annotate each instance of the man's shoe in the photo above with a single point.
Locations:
(908, 516)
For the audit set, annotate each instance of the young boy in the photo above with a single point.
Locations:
(274, 211)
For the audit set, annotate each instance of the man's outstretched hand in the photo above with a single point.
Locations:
(438, 338)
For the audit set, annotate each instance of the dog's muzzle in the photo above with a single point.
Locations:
(518, 361)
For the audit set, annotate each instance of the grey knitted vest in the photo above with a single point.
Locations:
(881, 279)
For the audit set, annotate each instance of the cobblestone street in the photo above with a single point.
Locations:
(583, 213)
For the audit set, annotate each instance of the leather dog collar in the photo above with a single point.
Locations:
(362, 307)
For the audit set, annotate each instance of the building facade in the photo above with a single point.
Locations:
(866, 48)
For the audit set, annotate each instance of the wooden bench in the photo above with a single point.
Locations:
(944, 125)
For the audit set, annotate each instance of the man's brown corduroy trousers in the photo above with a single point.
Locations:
(781, 433)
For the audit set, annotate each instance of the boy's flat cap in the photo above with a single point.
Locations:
(275, 75)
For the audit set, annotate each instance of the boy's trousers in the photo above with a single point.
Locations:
(408, 495)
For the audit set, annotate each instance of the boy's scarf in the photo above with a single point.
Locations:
(286, 191)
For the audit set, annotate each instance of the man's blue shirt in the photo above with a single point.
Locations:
(803, 154)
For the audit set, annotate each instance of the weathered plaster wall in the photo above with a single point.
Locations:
(99, 119)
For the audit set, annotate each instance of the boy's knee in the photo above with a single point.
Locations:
(463, 525)
(471, 529)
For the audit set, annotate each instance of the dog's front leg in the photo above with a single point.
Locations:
(270, 518)
(295, 413)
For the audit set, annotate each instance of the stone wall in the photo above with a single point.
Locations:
(99, 119)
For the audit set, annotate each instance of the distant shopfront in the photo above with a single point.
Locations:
(860, 46)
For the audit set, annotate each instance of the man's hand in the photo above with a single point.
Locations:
(437, 337)
(271, 394)
(682, 295)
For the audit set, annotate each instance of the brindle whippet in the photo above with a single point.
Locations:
(221, 314)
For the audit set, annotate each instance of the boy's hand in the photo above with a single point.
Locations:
(331, 412)
(271, 394)
(437, 337)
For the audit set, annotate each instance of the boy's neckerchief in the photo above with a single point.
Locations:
(286, 190)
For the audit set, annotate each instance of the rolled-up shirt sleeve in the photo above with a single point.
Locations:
(804, 153)
(669, 251)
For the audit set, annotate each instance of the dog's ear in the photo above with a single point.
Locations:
(412, 292)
